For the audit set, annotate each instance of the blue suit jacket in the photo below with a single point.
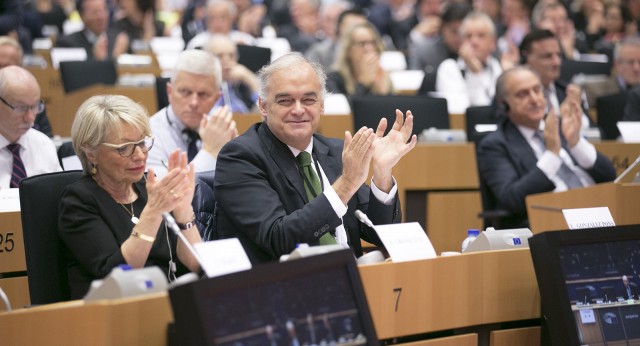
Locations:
(507, 165)
(262, 201)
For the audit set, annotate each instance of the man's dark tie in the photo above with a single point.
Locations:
(18, 172)
(192, 142)
(568, 176)
(304, 159)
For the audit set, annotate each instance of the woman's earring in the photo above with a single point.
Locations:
(93, 170)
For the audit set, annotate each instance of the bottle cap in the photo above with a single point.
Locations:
(473, 232)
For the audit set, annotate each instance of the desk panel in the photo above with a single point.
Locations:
(131, 321)
(11, 243)
(17, 290)
(451, 292)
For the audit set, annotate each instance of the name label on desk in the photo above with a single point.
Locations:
(220, 257)
(588, 217)
(406, 242)
(9, 200)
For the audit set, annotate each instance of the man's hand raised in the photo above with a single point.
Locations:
(389, 149)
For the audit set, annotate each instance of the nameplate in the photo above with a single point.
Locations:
(406, 242)
(9, 200)
(588, 217)
(220, 257)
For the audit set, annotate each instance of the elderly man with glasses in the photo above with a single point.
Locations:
(23, 151)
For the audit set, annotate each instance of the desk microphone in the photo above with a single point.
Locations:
(171, 222)
(363, 218)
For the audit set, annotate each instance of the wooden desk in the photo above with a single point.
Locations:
(61, 112)
(620, 154)
(131, 321)
(407, 298)
(451, 292)
(13, 267)
(438, 187)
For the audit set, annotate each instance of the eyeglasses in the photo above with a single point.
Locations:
(363, 44)
(127, 149)
(22, 108)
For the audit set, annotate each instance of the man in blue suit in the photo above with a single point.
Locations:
(535, 149)
(266, 194)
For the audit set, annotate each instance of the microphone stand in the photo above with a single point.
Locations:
(171, 222)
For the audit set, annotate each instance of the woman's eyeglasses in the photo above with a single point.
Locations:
(127, 149)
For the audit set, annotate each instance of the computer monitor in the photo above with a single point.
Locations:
(608, 294)
(570, 263)
(583, 295)
(314, 301)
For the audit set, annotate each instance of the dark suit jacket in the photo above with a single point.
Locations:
(261, 197)
(427, 55)
(632, 109)
(507, 166)
(79, 40)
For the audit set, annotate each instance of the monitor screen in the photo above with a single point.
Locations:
(317, 300)
(588, 282)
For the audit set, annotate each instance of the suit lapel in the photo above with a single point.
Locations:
(330, 165)
(520, 150)
(283, 158)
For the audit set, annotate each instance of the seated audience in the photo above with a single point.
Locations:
(531, 154)
(426, 55)
(553, 16)
(99, 42)
(136, 18)
(470, 79)
(541, 51)
(625, 72)
(357, 70)
(304, 28)
(328, 56)
(324, 52)
(281, 184)
(113, 214)
(185, 124)
(23, 150)
(221, 15)
(618, 25)
(11, 54)
(239, 84)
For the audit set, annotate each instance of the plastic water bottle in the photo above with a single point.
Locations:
(471, 236)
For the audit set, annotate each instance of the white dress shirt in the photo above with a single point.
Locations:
(472, 89)
(549, 163)
(38, 154)
(336, 202)
(167, 130)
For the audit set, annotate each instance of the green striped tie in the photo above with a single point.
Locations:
(304, 158)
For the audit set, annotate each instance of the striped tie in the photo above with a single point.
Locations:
(18, 172)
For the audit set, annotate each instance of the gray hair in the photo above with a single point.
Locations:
(286, 62)
(501, 89)
(198, 62)
(216, 40)
(479, 17)
(627, 42)
(233, 10)
(541, 8)
(10, 41)
(101, 116)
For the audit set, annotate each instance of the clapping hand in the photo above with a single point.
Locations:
(389, 149)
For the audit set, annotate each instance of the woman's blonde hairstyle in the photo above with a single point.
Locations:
(342, 63)
(101, 117)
